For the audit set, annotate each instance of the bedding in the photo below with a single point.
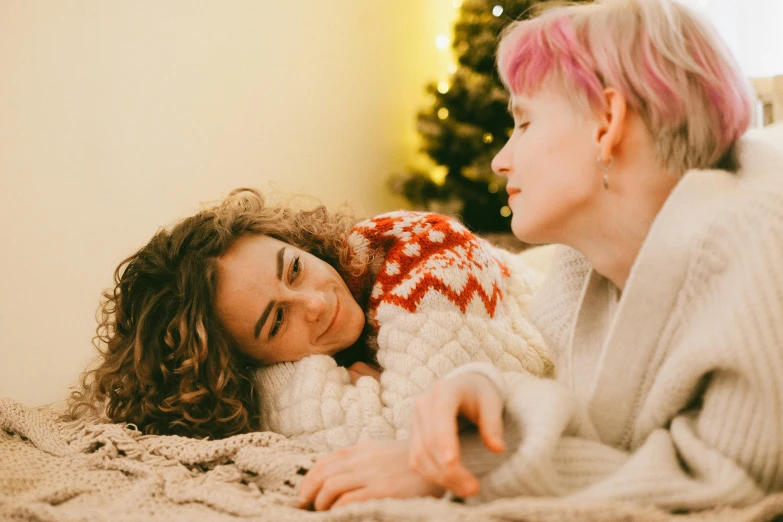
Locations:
(72, 471)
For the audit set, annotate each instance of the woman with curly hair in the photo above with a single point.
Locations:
(250, 316)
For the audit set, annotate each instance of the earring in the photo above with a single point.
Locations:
(605, 167)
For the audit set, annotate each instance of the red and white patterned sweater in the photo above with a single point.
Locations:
(441, 297)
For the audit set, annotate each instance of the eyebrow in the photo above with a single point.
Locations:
(268, 309)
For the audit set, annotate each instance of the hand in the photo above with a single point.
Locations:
(360, 369)
(434, 435)
(368, 470)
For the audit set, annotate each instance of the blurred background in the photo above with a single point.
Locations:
(118, 118)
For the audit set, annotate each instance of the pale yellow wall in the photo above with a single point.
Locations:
(118, 117)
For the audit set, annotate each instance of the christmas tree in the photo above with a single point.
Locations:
(468, 123)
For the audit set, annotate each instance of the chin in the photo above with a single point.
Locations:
(527, 232)
(522, 230)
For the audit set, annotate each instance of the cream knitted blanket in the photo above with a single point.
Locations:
(54, 471)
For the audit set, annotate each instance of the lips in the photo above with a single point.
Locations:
(512, 193)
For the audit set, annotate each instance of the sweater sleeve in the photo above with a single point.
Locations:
(313, 401)
(676, 468)
(724, 447)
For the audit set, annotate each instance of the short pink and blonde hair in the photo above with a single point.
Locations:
(669, 64)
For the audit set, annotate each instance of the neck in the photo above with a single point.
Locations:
(614, 232)
(613, 253)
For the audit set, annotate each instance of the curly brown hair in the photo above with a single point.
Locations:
(165, 363)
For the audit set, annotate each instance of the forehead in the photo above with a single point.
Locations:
(545, 101)
(250, 247)
(248, 259)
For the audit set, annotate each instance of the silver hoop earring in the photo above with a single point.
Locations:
(605, 167)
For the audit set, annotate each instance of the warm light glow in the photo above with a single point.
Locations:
(751, 30)
(497, 10)
(443, 87)
(451, 68)
(488, 138)
(443, 113)
(456, 3)
(493, 188)
(505, 211)
(442, 41)
(438, 175)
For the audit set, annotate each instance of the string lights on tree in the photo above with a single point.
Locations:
(466, 121)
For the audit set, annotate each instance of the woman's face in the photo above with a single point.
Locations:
(550, 163)
(282, 304)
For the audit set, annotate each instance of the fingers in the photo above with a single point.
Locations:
(374, 469)
(480, 402)
(435, 434)
(433, 431)
(435, 441)
(457, 479)
(438, 417)
(311, 485)
(334, 488)
(357, 495)
(490, 421)
(314, 480)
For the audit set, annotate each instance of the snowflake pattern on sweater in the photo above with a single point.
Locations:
(441, 297)
(429, 252)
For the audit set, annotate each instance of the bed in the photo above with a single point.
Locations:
(68, 471)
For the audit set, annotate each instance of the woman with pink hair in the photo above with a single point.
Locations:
(663, 306)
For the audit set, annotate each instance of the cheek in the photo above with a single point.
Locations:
(569, 161)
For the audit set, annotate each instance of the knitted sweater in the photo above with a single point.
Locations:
(673, 395)
(440, 297)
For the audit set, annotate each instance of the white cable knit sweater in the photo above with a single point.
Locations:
(675, 398)
(441, 297)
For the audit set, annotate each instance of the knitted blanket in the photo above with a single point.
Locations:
(55, 471)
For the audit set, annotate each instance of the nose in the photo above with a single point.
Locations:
(501, 163)
(312, 303)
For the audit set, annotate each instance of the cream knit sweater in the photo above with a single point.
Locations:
(441, 297)
(675, 399)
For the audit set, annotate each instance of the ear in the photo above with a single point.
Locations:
(611, 123)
